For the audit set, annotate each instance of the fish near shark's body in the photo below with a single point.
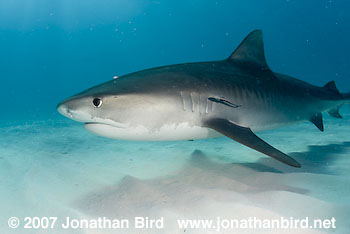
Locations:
(233, 97)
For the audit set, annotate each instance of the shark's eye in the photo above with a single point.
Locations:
(97, 102)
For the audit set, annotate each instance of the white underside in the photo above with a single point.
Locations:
(171, 132)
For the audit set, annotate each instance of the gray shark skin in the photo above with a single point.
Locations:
(234, 97)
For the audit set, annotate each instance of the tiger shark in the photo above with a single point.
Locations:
(234, 97)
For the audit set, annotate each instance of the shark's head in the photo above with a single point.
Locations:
(110, 103)
(94, 107)
(125, 103)
(102, 114)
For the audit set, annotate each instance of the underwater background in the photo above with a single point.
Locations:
(53, 49)
(50, 165)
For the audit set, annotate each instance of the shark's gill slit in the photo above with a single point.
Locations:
(200, 106)
(206, 105)
(203, 104)
(192, 102)
(196, 102)
(183, 101)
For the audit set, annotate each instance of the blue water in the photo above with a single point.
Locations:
(51, 166)
(53, 49)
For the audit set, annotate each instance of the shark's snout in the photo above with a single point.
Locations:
(75, 110)
(64, 110)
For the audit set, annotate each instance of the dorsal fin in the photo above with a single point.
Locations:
(331, 87)
(251, 50)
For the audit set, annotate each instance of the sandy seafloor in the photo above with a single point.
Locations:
(57, 168)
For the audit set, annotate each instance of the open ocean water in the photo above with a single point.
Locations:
(51, 166)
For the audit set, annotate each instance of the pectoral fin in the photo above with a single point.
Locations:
(246, 137)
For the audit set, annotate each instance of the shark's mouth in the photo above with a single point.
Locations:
(110, 130)
(107, 124)
(105, 129)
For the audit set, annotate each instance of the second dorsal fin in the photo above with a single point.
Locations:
(251, 50)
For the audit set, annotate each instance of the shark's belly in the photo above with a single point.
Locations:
(168, 132)
(265, 119)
